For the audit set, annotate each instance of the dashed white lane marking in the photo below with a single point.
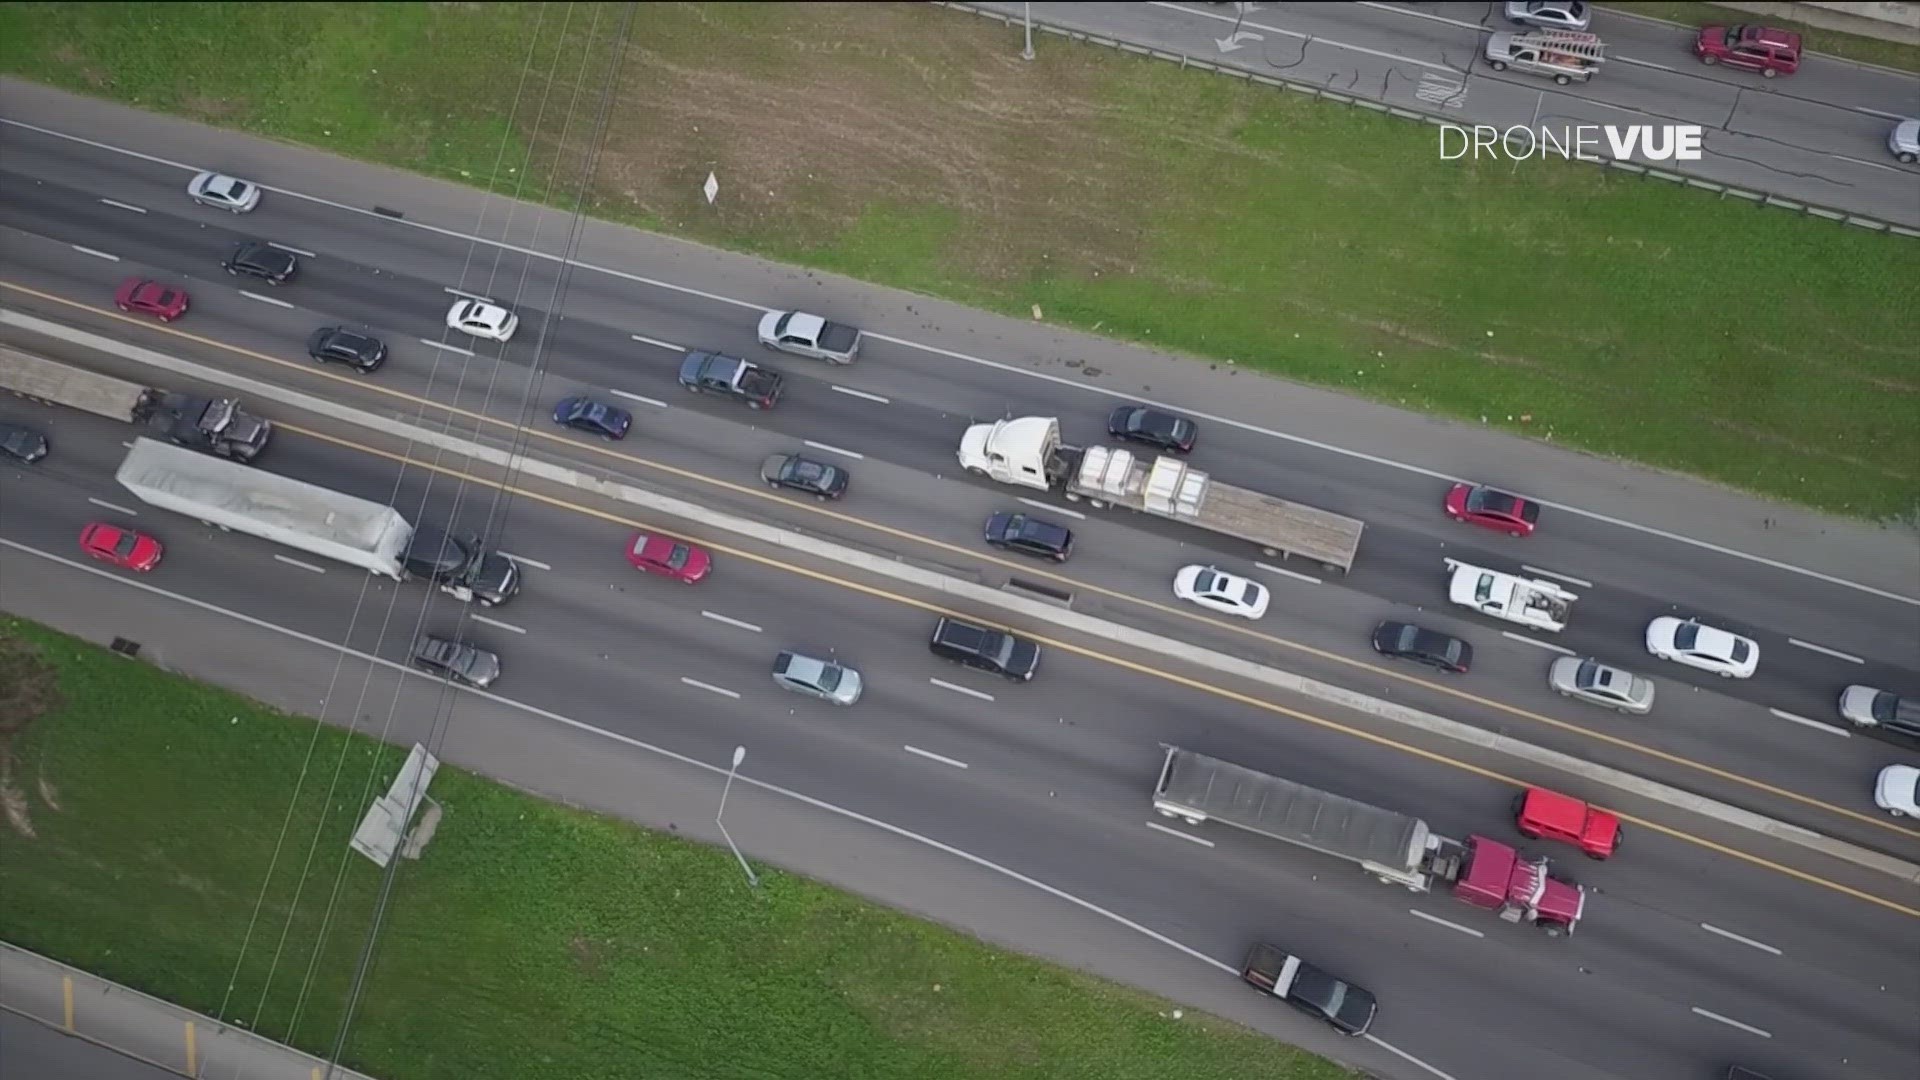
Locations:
(1731, 1022)
(833, 449)
(850, 392)
(1563, 577)
(527, 561)
(641, 398)
(1187, 836)
(717, 617)
(1831, 729)
(95, 254)
(298, 563)
(265, 299)
(125, 206)
(1272, 569)
(1731, 936)
(1538, 643)
(1038, 505)
(105, 505)
(468, 295)
(958, 689)
(431, 344)
(1811, 647)
(293, 250)
(1644, 63)
(496, 622)
(128, 445)
(657, 343)
(1467, 930)
(721, 690)
(1863, 161)
(931, 756)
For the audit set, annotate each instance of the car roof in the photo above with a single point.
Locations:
(1047, 532)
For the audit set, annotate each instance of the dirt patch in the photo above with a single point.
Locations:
(204, 107)
(29, 689)
(92, 75)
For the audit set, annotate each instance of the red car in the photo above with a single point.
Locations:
(1539, 813)
(163, 302)
(668, 557)
(1757, 48)
(124, 548)
(1490, 509)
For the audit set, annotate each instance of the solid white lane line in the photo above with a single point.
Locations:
(721, 690)
(125, 206)
(468, 295)
(301, 565)
(1831, 729)
(1406, 1057)
(105, 505)
(958, 689)
(1731, 1022)
(476, 617)
(637, 397)
(128, 445)
(1643, 63)
(1876, 112)
(1537, 642)
(1563, 577)
(667, 345)
(527, 561)
(850, 392)
(1242, 22)
(293, 250)
(1811, 647)
(1038, 505)
(265, 299)
(833, 449)
(1272, 569)
(1868, 164)
(717, 617)
(95, 254)
(1187, 836)
(1467, 930)
(431, 344)
(1731, 936)
(941, 758)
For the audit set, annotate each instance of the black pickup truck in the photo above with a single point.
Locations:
(703, 372)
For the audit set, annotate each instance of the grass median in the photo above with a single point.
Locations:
(143, 841)
(911, 146)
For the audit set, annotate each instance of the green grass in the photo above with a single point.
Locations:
(1867, 50)
(531, 941)
(1622, 316)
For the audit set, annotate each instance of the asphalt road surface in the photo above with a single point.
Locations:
(1818, 135)
(30, 1050)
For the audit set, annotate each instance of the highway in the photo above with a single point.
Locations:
(1819, 134)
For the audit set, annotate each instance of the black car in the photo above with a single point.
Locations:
(1154, 427)
(461, 565)
(816, 478)
(339, 345)
(456, 660)
(593, 417)
(268, 263)
(1029, 535)
(22, 443)
(989, 650)
(1273, 970)
(1422, 646)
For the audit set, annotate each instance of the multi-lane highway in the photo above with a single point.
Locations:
(1818, 135)
(1056, 773)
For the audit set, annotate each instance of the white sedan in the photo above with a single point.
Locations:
(1224, 593)
(482, 319)
(225, 192)
(1708, 648)
(1898, 792)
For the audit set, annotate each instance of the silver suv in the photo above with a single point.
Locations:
(1866, 707)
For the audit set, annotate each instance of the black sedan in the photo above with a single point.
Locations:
(1349, 1008)
(1406, 641)
(593, 417)
(339, 345)
(264, 261)
(1153, 427)
(816, 478)
(1029, 535)
(22, 443)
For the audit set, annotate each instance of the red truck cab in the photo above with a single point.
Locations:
(1542, 814)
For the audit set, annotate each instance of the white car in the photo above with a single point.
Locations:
(1224, 593)
(1898, 791)
(1708, 648)
(1904, 141)
(1551, 14)
(482, 319)
(225, 192)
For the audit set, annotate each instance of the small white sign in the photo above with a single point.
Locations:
(711, 187)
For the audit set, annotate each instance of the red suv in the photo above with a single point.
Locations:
(1757, 48)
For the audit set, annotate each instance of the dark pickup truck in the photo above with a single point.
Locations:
(703, 372)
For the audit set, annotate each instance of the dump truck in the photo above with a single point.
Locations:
(216, 425)
(1394, 847)
(1532, 602)
(1028, 451)
(807, 335)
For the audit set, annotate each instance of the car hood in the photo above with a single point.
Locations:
(1895, 789)
(850, 686)
(1715, 36)
(1024, 658)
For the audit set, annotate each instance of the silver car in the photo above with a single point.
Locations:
(1904, 141)
(1594, 682)
(1550, 14)
(813, 677)
(224, 192)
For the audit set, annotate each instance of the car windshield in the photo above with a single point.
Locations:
(1589, 675)
(1483, 589)
(1205, 582)
(1686, 636)
(1741, 650)
(1250, 595)
(829, 677)
(677, 558)
(124, 548)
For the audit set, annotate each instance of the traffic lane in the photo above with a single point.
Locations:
(35, 1048)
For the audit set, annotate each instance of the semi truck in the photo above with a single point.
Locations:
(1394, 847)
(1528, 601)
(1028, 451)
(313, 519)
(216, 425)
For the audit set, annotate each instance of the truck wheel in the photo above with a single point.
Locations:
(1498, 65)
(755, 405)
(690, 388)
(1709, 59)
(1768, 73)
(975, 471)
(1563, 79)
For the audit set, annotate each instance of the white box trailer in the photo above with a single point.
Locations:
(300, 515)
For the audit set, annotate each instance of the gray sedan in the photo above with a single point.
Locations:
(813, 677)
(1594, 682)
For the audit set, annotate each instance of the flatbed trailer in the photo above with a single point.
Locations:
(201, 423)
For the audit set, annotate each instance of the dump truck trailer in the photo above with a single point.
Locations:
(216, 425)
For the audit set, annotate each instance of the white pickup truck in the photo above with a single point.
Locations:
(1527, 601)
(811, 336)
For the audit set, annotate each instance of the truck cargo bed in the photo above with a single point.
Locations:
(77, 388)
(1281, 527)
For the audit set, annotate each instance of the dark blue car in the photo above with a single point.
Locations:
(593, 417)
